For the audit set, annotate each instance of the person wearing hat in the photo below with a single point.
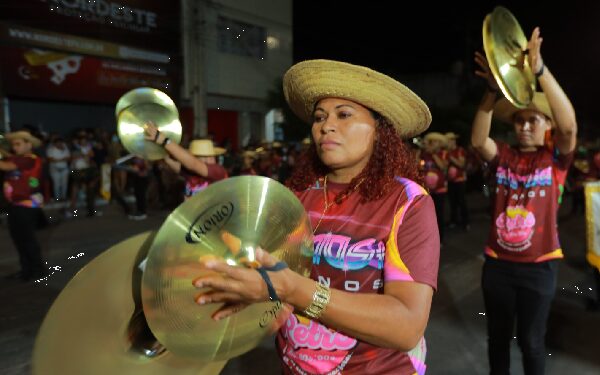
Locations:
(520, 269)
(457, 181)
(374, 242)
(248, 159)
(23, 171)
(434, 163)
(198, 165)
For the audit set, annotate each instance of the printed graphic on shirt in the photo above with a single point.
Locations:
(194, 186)
(541, 177)
(341, 253)
(515, 228)
(312, 348)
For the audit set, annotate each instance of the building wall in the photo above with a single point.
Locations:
(231, 75)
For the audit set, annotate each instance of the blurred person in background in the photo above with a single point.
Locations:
(59, 156)
(84, 174)
(23, 171)
(248, 159)
(435, 164)
(140, 169)
(457, 181)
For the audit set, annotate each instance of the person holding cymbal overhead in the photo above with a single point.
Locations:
(375, 239)
(520, 269)
(198, 165)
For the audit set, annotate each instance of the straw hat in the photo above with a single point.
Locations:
(306, 141)
(435, 136)
(204, 147)
(250, 154)
(505, 110)
(307, 82)
(451, 135)
(25, 135)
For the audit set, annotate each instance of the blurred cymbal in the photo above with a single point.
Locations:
(504, 43)
(89, 328)
(135, 109)
(228, 220)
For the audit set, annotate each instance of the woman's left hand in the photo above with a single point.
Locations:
(237, 286)
(534, 55)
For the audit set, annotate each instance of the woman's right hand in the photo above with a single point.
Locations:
(484, 70)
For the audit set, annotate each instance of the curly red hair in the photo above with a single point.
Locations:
(391, 157)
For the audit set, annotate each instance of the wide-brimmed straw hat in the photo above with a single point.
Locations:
(451, 135)
(25, 135)
(205, 147)
(307, 82)
(505, 111)
(435, 136)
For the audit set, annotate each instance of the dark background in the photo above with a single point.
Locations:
(401, 38)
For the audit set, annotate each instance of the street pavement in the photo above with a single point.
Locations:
(455, 334)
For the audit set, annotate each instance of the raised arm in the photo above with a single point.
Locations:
(480, 131)
(178, 153)
(562, 109)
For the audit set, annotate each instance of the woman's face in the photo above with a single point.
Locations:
(344, 133)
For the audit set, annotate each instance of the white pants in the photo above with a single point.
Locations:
(60, 181)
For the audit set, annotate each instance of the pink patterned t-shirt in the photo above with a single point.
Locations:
(358, 248)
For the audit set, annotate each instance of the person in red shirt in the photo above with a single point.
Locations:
(457, 182)
(366, 304)
(434, 165)
(198, 165)
(23, 171)
(520, 269)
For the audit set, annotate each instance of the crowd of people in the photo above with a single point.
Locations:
(371, 198)
(74, 171)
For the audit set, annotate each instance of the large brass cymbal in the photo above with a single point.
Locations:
(135, 109)
(89, 328)
(228, 220)
(504, 43)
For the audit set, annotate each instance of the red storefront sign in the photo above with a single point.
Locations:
(43, 74)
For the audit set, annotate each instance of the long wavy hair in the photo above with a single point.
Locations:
(391, 158)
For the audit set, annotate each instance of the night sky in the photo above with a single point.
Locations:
(427, 36)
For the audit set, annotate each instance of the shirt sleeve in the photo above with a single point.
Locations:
(413, 250)
(563, 162)
(24, 163)
(216, 172)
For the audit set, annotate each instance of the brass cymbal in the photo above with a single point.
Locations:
(135, 109)
(228, 220)
(96, 325)
(504, 43)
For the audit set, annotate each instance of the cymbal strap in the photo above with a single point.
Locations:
(263, 273)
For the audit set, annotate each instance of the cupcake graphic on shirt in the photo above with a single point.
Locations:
(515, 228)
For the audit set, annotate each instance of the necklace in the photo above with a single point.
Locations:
(338, 200)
